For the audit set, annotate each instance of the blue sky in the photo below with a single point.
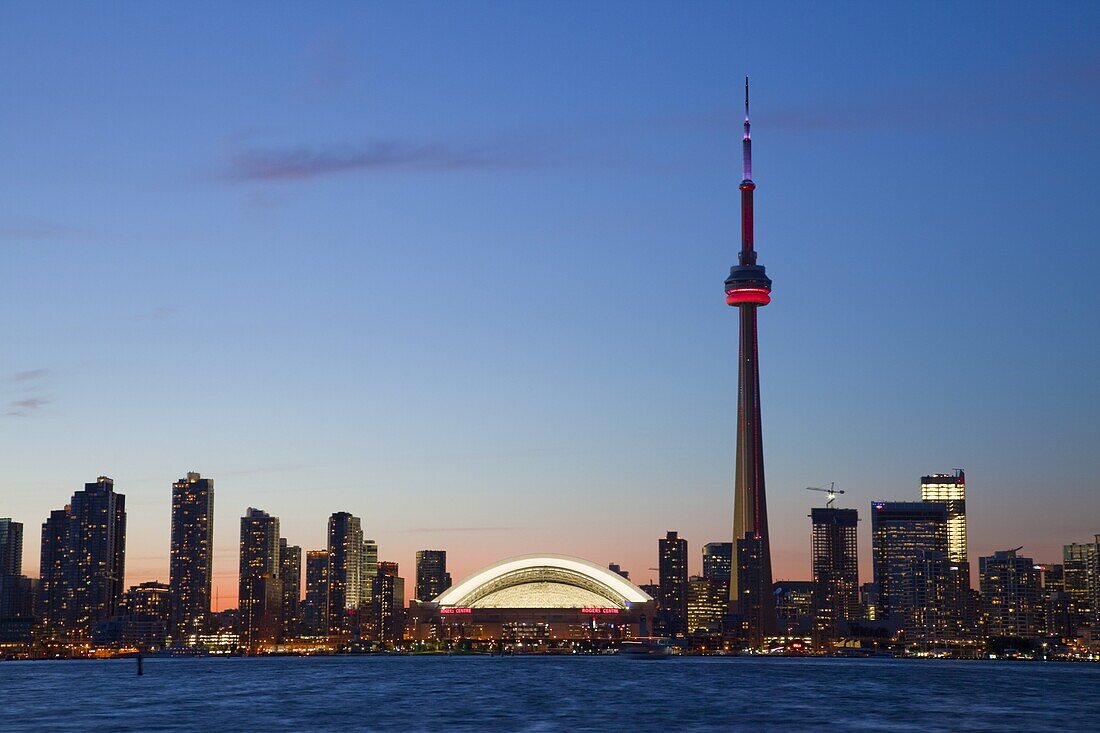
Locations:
(457, 268)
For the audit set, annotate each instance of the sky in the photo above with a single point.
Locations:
(457, 268)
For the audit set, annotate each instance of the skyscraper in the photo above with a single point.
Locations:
(1081, 576)
(15, 588)
(190, 571)
(432, 577)
(673, 569)
(98, 555)
(345, 548)
(835, 565)
(903, 535)
(706, 605)
(290, 577)
(11, 563)
(794, 601)
(918, 585)
(315, 613)
(1012, 595)
(55, 573)
(1056, 616)
(718, 563)
(388, 603)
(748, 288)
(260, 595)
(369, 563)
(950, 489)
(11, 547)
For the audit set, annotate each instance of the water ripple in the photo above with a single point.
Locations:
(547, 694)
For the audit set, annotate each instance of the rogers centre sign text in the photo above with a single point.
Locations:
(601, 611)
(456, 610)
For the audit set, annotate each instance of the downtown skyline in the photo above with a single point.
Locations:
(920, 592)
(696, 547)
(384, 332)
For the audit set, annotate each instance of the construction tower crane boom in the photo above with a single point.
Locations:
(832, 492)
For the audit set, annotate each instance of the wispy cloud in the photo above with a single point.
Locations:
(27, 381)
(24, 407)
(29, 375)
(304, 163)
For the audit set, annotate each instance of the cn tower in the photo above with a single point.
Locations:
(747, 289)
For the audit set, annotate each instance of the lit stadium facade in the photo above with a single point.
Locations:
(537, 600)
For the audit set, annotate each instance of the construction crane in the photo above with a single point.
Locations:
(832, 491)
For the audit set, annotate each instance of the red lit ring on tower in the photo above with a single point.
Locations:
(759, 296)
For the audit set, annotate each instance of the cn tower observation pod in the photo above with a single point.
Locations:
(543, 581)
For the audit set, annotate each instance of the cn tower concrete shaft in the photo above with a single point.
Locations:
(749, 288)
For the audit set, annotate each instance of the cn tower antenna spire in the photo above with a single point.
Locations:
(746, 143)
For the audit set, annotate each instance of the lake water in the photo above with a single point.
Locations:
(548, 694)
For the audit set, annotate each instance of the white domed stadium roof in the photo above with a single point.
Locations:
(543, 581)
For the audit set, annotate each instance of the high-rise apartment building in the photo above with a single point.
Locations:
(388, 603)
(191, 566)
(55, 573)
(794, 602)
(907, 539)
(749, 612)
(15, 593)
(1012, 595)
(718, 562)
(260, 597)
(148, 599)
(835, 566)
(290, 577)
(143, 619)
(942, 604)
(315, 611)
(11, 565)
(1056, 607)
(345, 580)
(82, 563)
(1081, 573)
(369, 564)
(432, 577)
(11, 547)
(707, 602)
(673, 569)
(950, 489)
(98, 556)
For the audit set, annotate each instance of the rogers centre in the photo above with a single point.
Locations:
(537, 600)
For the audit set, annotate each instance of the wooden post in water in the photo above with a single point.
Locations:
(140, 672)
